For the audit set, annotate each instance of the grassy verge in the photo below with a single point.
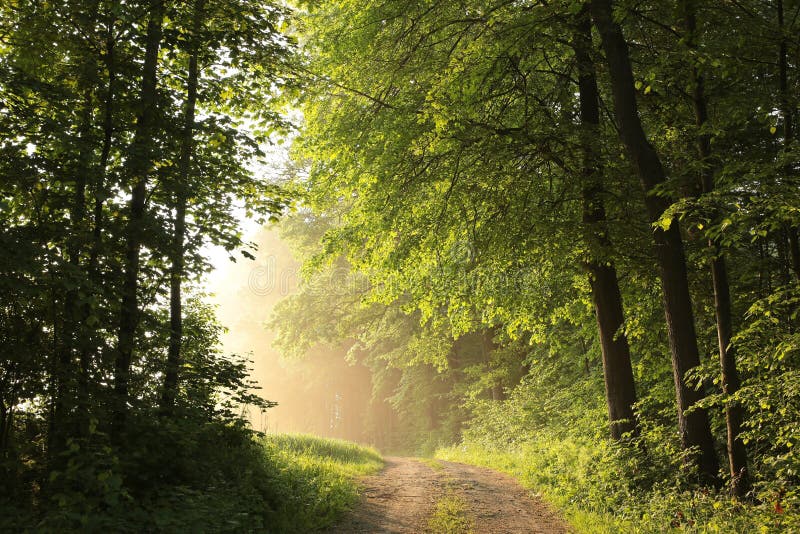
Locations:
(212, 478)
(569, 476)
(314, 479)
(546, 476)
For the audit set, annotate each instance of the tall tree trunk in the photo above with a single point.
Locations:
(737, 453)
(787, 111)
(488, 346)
(72, 328)
(138, 167)
(617, 369)
(694, 427)
(794, 250)
(89, 346)
(181, 195)
(6, 424)
(105, 153)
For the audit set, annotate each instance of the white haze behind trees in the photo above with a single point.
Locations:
(308, 391)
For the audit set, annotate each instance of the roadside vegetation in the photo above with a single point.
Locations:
(602, 487)
(451, 516)
(314, 479)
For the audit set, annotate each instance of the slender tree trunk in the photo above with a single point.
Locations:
(781, 238)
(7, 467)
(72, 327)
(787, 111)
(488, 346)
(176, 272)
(105, 153)
(138, 167)
(694, 427)
(737, 453)
(794, 250)
(617, 369)
(89, 347)
(6, 424)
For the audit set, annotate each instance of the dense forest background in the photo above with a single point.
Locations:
(558, 233)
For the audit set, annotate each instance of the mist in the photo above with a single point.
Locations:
(319, 393)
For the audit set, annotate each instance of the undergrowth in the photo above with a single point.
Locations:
(601, 487)
(566, 474)
(314, 479)
(224, 479)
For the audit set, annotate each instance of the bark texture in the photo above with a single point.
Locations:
(787, 111)
(179, 231)
(737, 454)
(606, 295)
(694, 428)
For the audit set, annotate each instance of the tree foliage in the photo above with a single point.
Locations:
(91, 128)
(450, 166)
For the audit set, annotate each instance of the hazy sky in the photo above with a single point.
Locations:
(245, 291)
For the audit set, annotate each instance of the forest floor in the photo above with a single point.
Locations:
(438, 497)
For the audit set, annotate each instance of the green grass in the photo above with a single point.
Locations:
(315, 479)
(450, 516)
(544, 474)
(432, 463)
(567, 475)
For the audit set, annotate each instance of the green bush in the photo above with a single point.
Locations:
(223, 480)
(560, 452)
(313, 479)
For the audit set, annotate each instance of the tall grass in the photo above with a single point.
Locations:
(314, 479)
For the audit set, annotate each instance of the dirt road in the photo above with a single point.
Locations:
(437, 497)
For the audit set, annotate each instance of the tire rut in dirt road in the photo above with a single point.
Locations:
(402, 498)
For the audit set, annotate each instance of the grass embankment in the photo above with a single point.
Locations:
(553, 477)
(315, 479)
(570, 476)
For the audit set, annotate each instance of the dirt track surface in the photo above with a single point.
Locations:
(402, 498)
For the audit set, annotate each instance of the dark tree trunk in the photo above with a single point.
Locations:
(794, 250)
(787, 111)
(7, 468)
(105, 153)
(89, 347)
(488, 346)
(694, 427)
(617, 369)
(72, 327)
(138, 166)
(181, 193)
(737, 454)
(781, 238)
(6, 423)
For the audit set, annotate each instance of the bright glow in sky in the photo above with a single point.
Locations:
(271, 169)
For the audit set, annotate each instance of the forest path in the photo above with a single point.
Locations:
(412, 496)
